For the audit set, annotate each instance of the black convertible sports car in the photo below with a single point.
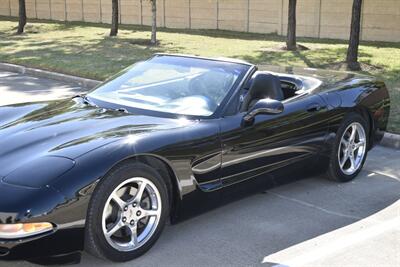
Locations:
(166, 138)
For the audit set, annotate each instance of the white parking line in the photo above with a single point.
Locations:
(310, 205)
(323, 246)
(383, 174)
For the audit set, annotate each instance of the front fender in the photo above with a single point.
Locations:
(24, 204)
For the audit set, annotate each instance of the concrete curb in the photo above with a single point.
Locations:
(391, 140)
(83, 82)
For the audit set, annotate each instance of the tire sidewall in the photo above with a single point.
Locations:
(118, 175)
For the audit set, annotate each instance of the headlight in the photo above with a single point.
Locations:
(21, 230)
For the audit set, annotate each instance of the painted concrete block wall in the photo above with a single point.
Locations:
(91, 11)
(381, 20)
(233, 15)
(203, 14)
(265, 18)
(74, 10)
(308, 18)
(43, 8)
(14, 8)
(58, 11)
(130, 12)
(315, 18)
(147, 14)
(5, 8)
(105, 6)
(30, 8)
(335, 19)
(177, 14)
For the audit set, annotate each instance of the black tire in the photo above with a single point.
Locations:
(334, 172)
(95, 241)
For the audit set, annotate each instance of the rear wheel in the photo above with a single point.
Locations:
(127, 213)
(350, 149)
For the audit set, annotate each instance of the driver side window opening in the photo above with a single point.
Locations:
(289, 89)
(269, 86)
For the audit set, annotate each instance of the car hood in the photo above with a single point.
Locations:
(65, 129)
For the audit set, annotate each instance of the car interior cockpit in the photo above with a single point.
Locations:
(264, 85)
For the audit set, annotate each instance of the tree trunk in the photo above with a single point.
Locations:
(22, 17)
(354, 42)
(291, 32)
(153, 40)
(114, 18)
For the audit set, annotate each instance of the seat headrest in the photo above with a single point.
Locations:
(264, 85)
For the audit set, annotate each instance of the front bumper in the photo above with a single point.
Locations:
(57, 242)
(26, 205)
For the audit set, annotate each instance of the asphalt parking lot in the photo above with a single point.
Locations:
(309, 222)
(19, 88)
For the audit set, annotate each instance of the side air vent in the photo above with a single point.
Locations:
(4, 251)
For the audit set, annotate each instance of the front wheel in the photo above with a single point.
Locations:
(350, 149)
(127, 213)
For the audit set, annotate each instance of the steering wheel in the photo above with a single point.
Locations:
(212, 105)
(198, 88)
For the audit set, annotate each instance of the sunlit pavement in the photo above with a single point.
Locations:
(19, 88)
(309, 222)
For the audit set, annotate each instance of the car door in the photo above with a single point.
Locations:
(274, 141)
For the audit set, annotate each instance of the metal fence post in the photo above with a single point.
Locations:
(248, 16)
(51, 16)
(281, 17)
(65, 11)
(119, 11)
(82, 11)
(164, 17)
(35, 9)
(190, 14)
(101, 12)
(141, 12)
(217, 14)
(362, 21)
(319, 19)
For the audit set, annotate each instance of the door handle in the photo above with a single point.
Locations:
(314, 107)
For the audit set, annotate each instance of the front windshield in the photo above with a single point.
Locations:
(179, 85)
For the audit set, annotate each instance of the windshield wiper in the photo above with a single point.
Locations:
(86, 100)
(123, 110)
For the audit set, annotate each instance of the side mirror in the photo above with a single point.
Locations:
(264, 106)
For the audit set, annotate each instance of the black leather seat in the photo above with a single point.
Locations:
(264, 85)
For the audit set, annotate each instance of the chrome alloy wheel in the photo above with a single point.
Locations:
(352, 148)
(131, 214)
